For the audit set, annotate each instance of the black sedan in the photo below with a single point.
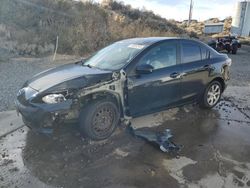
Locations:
(127, 79)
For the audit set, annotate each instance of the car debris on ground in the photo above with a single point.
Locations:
(162, 139)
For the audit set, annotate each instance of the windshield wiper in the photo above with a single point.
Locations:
(87, 65)
(90, 66)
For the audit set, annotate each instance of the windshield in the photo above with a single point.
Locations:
(115, 56)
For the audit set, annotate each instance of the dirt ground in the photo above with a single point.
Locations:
(216, 150)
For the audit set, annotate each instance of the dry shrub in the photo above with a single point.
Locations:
(82, 27)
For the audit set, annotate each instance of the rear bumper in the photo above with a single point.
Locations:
(43, 117)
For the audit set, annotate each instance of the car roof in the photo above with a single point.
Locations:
(148, 40)
(151, 40)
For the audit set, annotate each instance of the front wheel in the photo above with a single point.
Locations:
(212, 95)
(99, 119)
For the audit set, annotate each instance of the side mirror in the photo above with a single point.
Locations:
(144, 69)
(83, 59)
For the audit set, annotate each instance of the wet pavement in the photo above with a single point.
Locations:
(216, 150)
(215, 154)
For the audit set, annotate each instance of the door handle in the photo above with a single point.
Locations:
(174, 75)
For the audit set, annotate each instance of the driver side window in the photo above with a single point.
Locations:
(161, 56)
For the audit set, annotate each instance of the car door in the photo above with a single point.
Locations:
(195, 69)
(160, 88)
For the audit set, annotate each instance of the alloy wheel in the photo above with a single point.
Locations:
(213, 94)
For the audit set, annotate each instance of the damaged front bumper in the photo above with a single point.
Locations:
(44, 117)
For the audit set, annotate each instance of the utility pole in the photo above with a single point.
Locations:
(190, 12)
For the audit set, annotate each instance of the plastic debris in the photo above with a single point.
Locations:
(163, 139)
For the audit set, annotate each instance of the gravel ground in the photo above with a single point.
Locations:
(14, 72)
(240, 68)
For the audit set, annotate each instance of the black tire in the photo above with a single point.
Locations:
(99, 119)
(228, 48)
(234, 50)
(207, 97)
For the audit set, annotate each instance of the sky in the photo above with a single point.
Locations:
(179, 9)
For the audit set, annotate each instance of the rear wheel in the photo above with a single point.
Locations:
(99, 119)
(212, 95)
(234, 50)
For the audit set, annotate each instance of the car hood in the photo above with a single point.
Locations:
(69, 73)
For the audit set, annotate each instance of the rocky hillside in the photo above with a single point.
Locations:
(30, 27)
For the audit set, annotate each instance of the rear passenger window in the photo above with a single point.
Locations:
(190, 52)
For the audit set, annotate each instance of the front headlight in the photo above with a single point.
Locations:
(53, 98)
